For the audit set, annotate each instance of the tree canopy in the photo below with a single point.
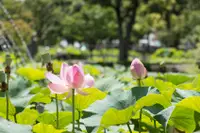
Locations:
(92, 21)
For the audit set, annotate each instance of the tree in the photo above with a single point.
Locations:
(91, 24)
(125, 11)
(46, 20)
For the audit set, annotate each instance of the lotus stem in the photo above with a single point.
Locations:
(129, 128)
(15, 118)
(78, 121)
(140, 119)
(154, 121)
(73, 110)
(57, 111)
(7, 98)
(7, 106)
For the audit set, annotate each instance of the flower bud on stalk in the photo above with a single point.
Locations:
(49, 67)
(8, 61)
(7, 70)
(138, 70)
(46, 59)
(4, 87)
(3, 84)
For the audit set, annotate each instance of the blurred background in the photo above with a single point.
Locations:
(164, 34)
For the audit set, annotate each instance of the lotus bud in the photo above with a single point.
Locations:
(3, 84)
(46, 59)
(138, 70)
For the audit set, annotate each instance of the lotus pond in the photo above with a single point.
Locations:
(117, 103)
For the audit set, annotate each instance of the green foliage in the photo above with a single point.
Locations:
(40, 97)
(24, 29)
(28, 117)
(151, 100)
(31, 73)
(169, 53)
(90, 16)
(109, 118)
(191, 103)
(177, 78)
(91, 70)
(83, 102)
(45, 128)
(171, 100)
(12, 109)
(186, 123)
(65, 118)
(10, 127)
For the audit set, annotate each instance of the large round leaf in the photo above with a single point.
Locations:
(114, 117)
(65, 118)
(191, 103)
(3, 105)
(150, 100)
(28, 116)
(82, 102)
(183, 119)
(40, 97)
(45, 128)
(31, 73)
(10, 127)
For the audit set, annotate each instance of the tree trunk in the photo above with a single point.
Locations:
(168, 19)
(125, 39)
(177, 40)
(122, 44)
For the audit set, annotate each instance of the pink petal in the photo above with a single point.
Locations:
(137, 69)
(145, 73)
(69, 75)
(57, 88)
(80, 68)
(133, 72)
(79, 91)
(75, 76)
(63, 71)
(54, 78)
(89, 81)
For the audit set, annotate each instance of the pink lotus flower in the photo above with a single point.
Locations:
(71, 77)
(138, 70)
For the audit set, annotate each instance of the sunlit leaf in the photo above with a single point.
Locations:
(183, 119)
(150, 100)
(92, 70)
(177, 78)
(31, 73)
(40, 98)
(82, 102)
(191, 103)
(28, 116)
(113, 116)
(45, 128)
(3, 105)
(119, 99)
(65, 118)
